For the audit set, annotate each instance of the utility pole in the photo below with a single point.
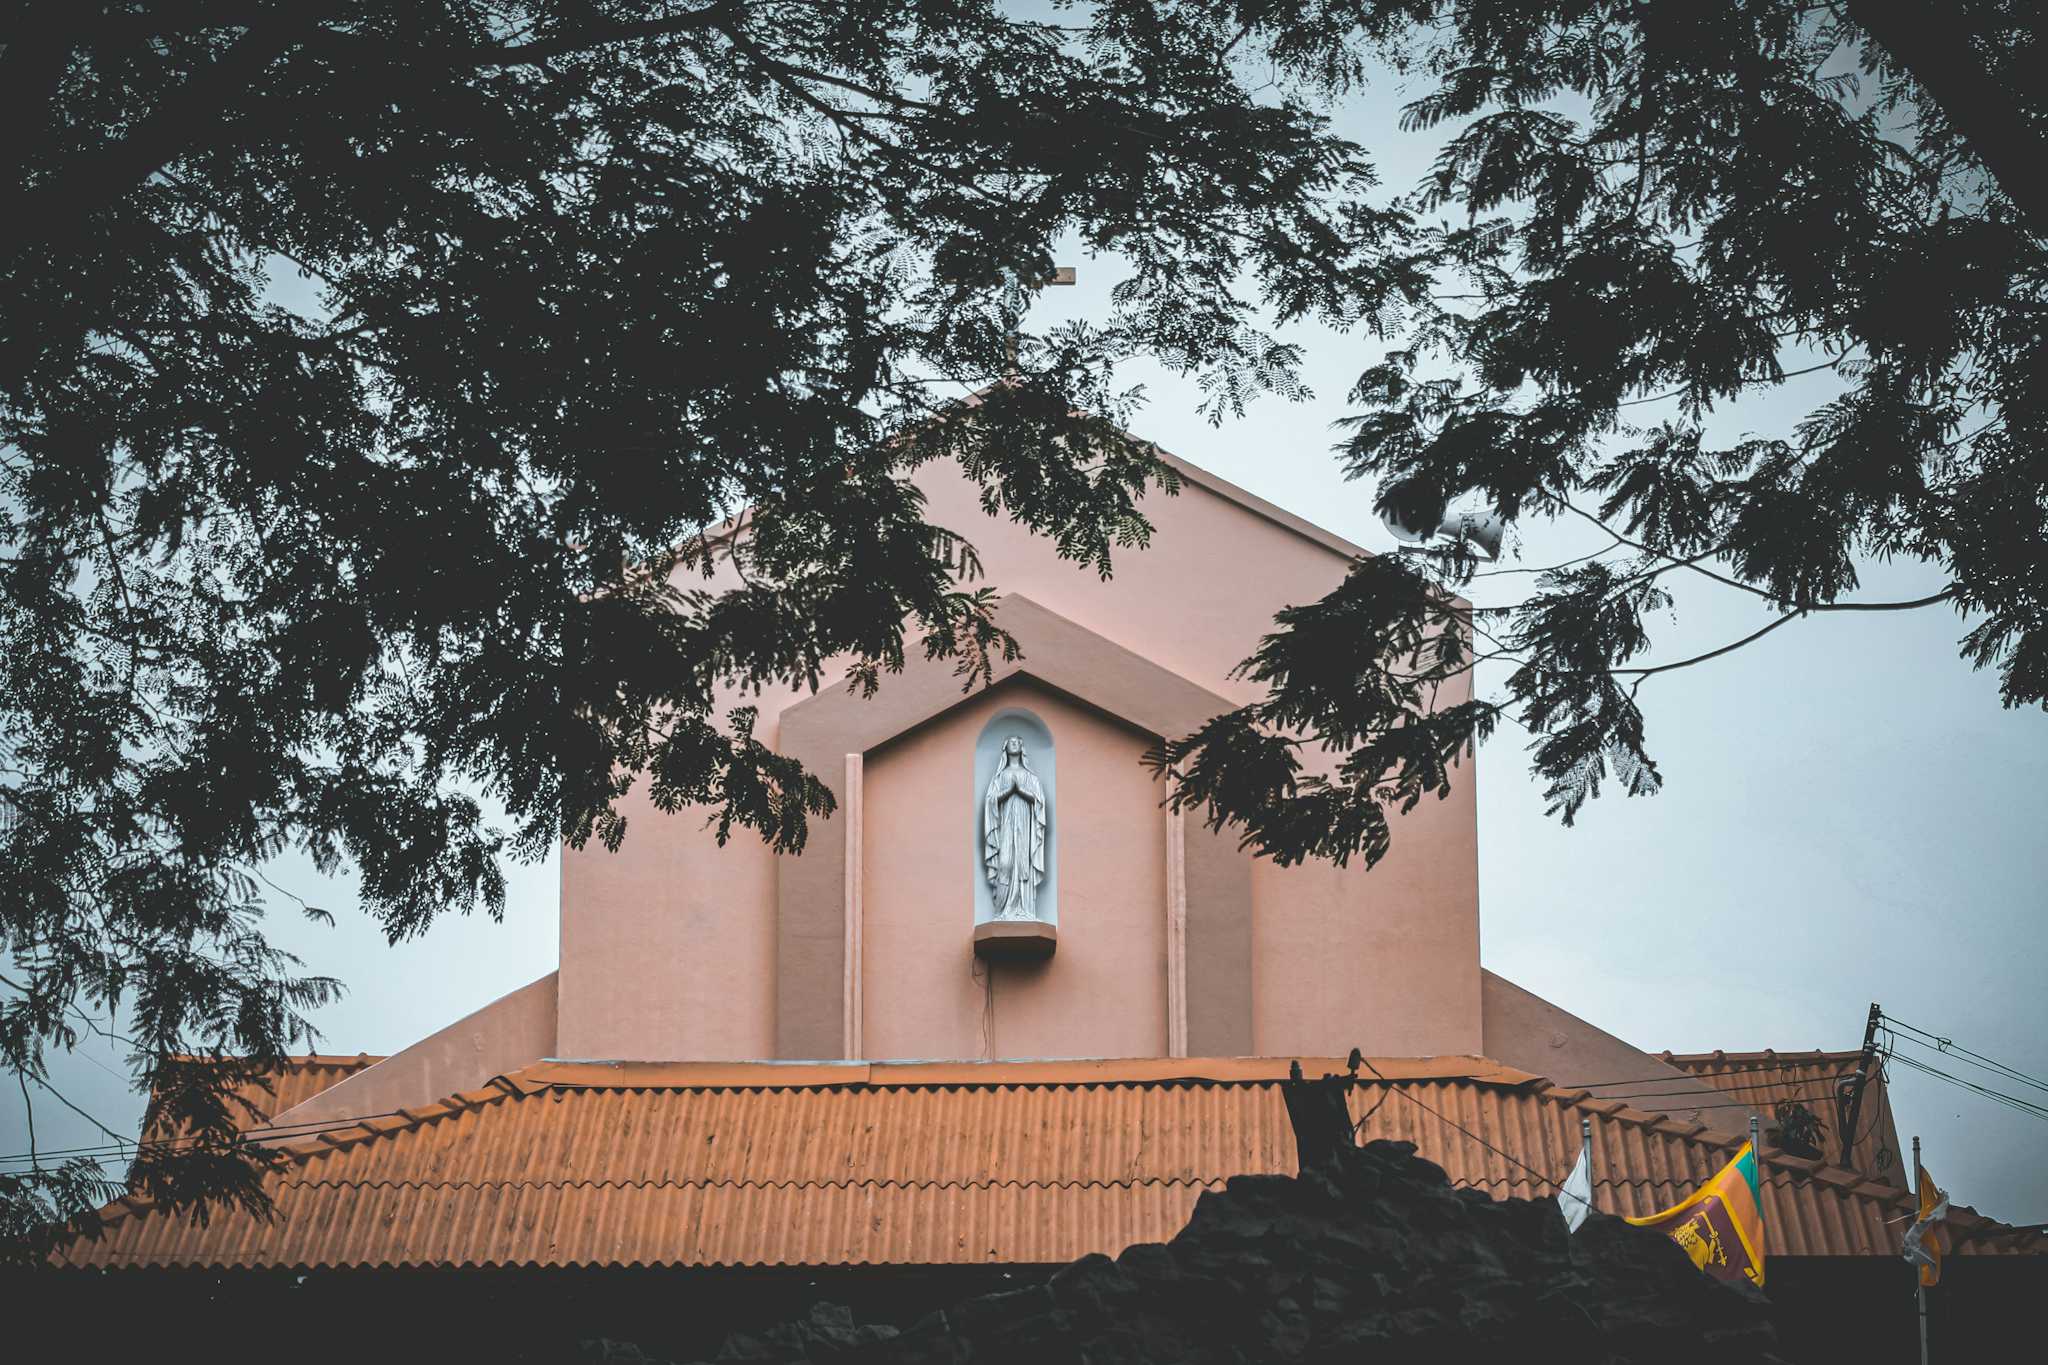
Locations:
(1849, 1098)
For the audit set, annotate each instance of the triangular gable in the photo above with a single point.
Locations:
(822, 730)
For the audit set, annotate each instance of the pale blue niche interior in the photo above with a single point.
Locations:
(1013, 722)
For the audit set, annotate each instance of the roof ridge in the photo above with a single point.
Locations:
(1135, 1182)
(1765, 1056)
(1213, 482)
(293, 1058)
(1708, 1136)
(302, 1149)
(579, 1074)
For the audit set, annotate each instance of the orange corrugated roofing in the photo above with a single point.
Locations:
(711, 1164)
(1768, 1079)
(300, 1079)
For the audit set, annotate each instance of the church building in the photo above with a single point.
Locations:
(1005, 1009)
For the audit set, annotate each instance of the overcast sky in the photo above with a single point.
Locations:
(1848, 816)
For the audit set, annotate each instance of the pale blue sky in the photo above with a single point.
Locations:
(1849, 816)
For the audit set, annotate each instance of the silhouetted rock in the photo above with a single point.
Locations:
(1371, 1257)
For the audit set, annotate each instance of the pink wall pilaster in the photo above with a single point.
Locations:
(1176, 934)
(851, 799)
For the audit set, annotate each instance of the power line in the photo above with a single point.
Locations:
(1548, 1180)
(1947, 1047)
(312, 1128)
(109, 1150)
(2010, 1101)
(286, 1132)
(2024, 1106)
(1671, 1080)
(1715, 1104)
(1758, 1065)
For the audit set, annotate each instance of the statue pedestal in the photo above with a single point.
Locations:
(1015, 940)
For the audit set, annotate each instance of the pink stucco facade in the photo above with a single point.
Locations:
(924, 993)
(673, 947)
(668, 946)
(1172, 941)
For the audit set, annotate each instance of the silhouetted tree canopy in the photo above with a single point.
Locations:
(1680, 203)
(594, 275)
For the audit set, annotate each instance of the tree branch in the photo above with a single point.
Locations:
(1929, 44)
(99, 178)
(1675, 562)
(30, 70)
(120, 1138)
(1641, 673)
(1693, 563)
(525, 54)
(1781, 378)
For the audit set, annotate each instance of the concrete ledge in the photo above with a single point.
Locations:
(1015, 940)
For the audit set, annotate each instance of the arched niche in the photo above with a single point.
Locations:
(1015, 722)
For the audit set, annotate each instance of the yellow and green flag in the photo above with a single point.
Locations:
(1721, 1224)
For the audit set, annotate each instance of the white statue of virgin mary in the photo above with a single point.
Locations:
(1013, 824)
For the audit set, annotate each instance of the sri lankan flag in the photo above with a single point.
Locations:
(1721, 1224)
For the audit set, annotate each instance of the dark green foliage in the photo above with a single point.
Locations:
(1359, 673)
(1685, 202)
(35, 1204)
(593, 276)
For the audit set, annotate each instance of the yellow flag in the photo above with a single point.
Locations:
(1924, 1238)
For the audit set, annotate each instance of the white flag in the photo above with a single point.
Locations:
(1575, 1198)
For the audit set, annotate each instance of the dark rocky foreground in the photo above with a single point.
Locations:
(1368, 1256)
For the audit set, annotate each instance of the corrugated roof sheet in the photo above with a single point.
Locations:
(1768, 1079)
(567, 1164)
(301, 1078)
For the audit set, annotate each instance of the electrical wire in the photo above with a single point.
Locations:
(2014, 1102)
(1851, 1141)
(1684, 1101)
(1947, 1047)
(2010, 1101)
(312, 1128)
(282, 1133)
(1516, 1161)
(1722, 1089)
(1743, 1068)
(976, 974)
